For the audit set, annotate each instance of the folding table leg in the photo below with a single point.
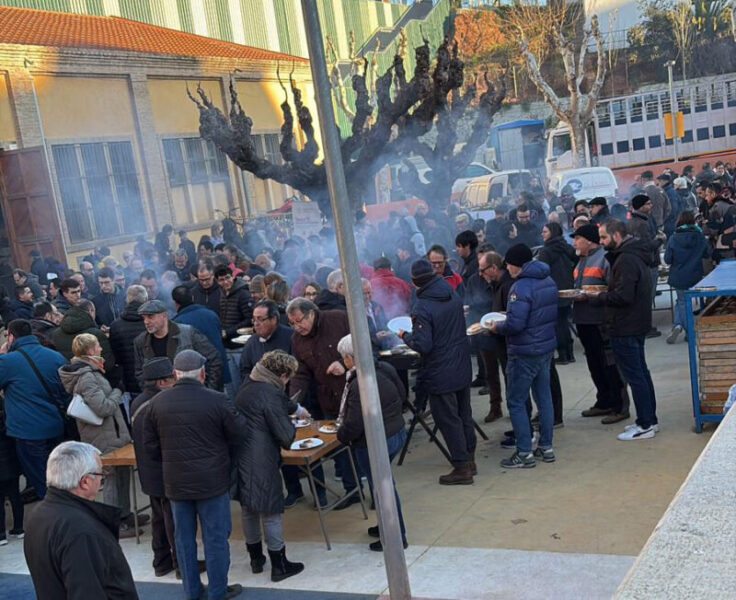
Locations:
(479, 430)
(135, 505)
(313, 487)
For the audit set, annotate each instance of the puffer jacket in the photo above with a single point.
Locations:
(209, 297)
(191, 430)
(268, 430)
(685, 252)
(531, 314)
(123, 331)
(236, 310)
(561, 258)
(642, 226)
(86, 379)
(391, 393)
(438, 334)
(628, 300)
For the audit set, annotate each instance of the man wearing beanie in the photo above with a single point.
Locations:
(612, 398)
(438, 334)
(530, 342)
(599, 210)
(642, 226)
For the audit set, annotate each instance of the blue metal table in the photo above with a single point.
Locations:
(719, 282)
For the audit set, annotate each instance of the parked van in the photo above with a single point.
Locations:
(491, 189)
(586, 183)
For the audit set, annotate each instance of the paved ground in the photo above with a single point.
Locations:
(565, 530)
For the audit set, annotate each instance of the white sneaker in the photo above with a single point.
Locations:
(636, 433)
(632, 425)
(3, 541)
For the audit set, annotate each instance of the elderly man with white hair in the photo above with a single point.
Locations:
(351, 429)
(71, 544)
(333, 296)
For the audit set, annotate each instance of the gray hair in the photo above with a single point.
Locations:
(345, 346)
(69, 462)
(136, 293)
(181, 252)
(302, 305)
(334, 279)
(194, 374)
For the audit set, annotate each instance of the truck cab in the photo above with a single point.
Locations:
(559, 149)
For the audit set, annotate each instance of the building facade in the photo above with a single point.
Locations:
(101, 143)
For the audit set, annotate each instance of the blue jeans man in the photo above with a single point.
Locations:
(32, 456)
(526, 374)
(214, 517)
(632, 362)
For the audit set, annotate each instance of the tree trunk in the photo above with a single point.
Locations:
(577, 137)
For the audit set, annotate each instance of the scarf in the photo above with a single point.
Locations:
(349, 376)
(94, 361)
(263, 375)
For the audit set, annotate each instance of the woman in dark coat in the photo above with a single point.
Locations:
(561, 258)
(351, 429)
(266, 408)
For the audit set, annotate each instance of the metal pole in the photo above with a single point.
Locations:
(388, 520)
(673, 107)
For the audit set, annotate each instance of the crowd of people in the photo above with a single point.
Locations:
(150, 345)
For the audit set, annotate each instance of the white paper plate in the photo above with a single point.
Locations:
(492, 316)
(314, 443)
(399, 323)
(299, 423)
(330, 431)
(241, 339)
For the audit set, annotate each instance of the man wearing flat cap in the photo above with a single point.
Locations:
(164, 337)
(158, 374)
(612, 397)
(191, 430)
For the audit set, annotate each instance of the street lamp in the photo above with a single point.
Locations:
(673, 106)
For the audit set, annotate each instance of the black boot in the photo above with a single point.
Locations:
(257, 559)
(281, 568)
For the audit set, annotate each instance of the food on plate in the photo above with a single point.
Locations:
(595, 288)
(328, 429)
(306, 444)
(475, 329)
(568, 293)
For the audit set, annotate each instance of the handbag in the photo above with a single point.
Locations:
(79, 410)
(70, 425)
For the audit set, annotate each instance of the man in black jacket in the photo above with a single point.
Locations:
(191, 429)
(45, 321)
(123, 330)
(438, 334)
(207, 292)
(236, 312)
(71, 542)
(628, 319)
(466, 244)
(158, 374)
(110, 302)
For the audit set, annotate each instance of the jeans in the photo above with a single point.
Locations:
(632, 361)
(32, 456)
(454, 417)
(163, 539)
(117, 488)
(395, 443)
(611, 392)
(291, 475)
(525, 374)
(9, 488)
(233, 365)
(680, 306)
(214, 518)
(272, 529)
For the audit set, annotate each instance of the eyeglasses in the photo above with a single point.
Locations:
(262, 319)
(484, 269)
(298, 321)
(100, 475)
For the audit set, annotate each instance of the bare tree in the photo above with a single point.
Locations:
(384, 125)
(550, 29)
(681, 15)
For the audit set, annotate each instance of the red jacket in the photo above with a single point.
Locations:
(392, 293)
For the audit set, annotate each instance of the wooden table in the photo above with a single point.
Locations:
(309, 460)
(125, 457)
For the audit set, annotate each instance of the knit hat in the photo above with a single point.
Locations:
(639, 200)
(421, 272)
(189, 360)
(518, 255)
(598, 201)
(588, 231)
(157, 368)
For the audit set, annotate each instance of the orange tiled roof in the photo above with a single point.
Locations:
(65, 30)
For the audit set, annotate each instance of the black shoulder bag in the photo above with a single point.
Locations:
(70, 425)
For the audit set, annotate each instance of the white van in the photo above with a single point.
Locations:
(585, 184)
(490, 189)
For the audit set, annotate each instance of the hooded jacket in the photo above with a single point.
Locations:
(628, 300)
(44, 330)
(561, 258)
(207, 322)
(236, 309)
(685, 251)
(123, 331)
(531, 313)
(72, 550)
(22, 310)
(328, 300)
(86, 379)
(392, 293)
(209, 297)
(642, 226)
(438, 334)
(76, 321)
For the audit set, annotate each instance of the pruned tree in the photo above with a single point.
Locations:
(681, 16)
(553, 30)
(385, 125)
